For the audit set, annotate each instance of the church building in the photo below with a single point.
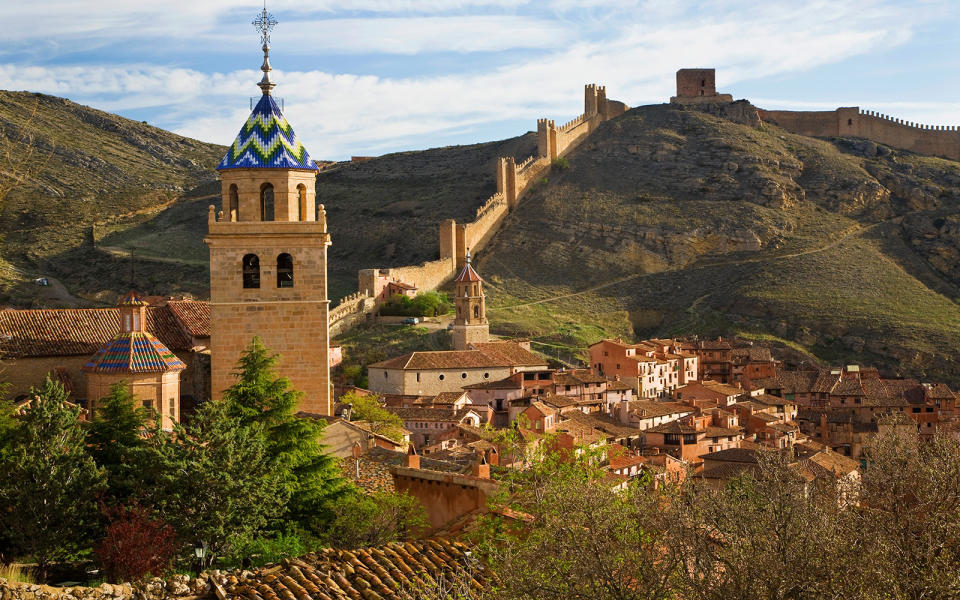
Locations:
(268, 253)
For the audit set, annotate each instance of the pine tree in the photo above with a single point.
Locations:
(116, 442)
(214, 479)
(260, 397)
(49, 484)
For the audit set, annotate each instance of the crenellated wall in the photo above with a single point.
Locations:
(457, 239)
(850, 121)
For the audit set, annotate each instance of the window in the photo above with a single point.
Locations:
(385, 374)
(463, 375)
(441, 376)
(266, 202)
(148, 404)
(136, 324)
(173, 407)
(486, 375)
(302, 196)
(418, 377)
(476, 312)
(251, 271)
(284, 271)
(127, 326)
(849, 121)
(234, 207)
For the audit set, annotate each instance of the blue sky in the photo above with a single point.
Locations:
(366, 77)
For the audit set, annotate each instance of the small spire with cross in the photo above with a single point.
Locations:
(264, 23)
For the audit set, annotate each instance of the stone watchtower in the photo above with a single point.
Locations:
(268, 254)
(470, 325)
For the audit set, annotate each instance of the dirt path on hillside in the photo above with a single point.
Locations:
(850, 232)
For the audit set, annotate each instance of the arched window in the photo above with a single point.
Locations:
(251, 271)
(302, 196)
(476, 311)
(284, 271)
(234, 209)
(266, 202)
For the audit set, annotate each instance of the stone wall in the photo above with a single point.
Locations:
(933, 140)
(178, 586)
(456, 239)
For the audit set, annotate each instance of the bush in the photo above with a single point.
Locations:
(259, 551)
(560, 163)
(136, 544)
(428, 304)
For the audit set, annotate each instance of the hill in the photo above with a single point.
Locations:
(106, 179)
(674, 221)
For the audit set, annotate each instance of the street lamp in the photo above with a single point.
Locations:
(200, 552)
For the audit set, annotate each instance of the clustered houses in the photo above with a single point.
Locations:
(653, 367)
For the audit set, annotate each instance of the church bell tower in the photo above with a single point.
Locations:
(268, 252)
(470, 324)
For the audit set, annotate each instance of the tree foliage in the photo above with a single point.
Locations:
(362, 520)
(115, 440)
(368, 408)
(49, 482)
(428, 304)
(135, 544)
(308, 476)
(216, 478)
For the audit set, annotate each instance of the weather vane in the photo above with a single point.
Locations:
(264, 24)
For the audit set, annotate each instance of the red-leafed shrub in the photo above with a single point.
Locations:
(136, 544)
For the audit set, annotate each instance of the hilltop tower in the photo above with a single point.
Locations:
(470, 325)
(268, 252)
(139, 360)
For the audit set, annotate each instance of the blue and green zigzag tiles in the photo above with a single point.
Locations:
(267, 141)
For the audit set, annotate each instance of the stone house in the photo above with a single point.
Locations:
(426, 424)
(644, 414)
(689, 438)
(430, 373)
(653, 367)
(705, 395)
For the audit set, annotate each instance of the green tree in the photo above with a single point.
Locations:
(49, 484)
(308, 475)
(373, 520)
(215, 479)
(116, 442)
(368, 408)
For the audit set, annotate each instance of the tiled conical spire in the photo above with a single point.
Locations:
(267, 140)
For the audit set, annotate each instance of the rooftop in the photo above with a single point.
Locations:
(267, 141)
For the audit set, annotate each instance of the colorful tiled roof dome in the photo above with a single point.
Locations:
(468, 274)
(267, 141)
(132, 298)
(134, 352)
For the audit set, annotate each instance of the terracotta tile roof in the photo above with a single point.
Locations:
(714, 345)
(721, 388)
(673, 427)
(392, 571)
(649, 408)
(543, 408)
(738, 455)
(614, 385)
(375, 466)
(558, 401)
(831, 463)
(507, 383)
(511, 354)
(713, 432)
(467, 274)
(601, 423)
(581, 433)
(771, 400)
(766, 418)
(447, 397)
(194, 315)
(783, 427)
(727, 470)
(419, 413)
(940, 391)
(78, 331)
(491, 354)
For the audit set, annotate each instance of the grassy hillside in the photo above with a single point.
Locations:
(103, 177)
(672, 221)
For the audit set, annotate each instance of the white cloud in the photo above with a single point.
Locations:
(632, 48)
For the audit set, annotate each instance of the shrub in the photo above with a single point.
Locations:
(15, 573)
(259, 551)
(135, 545)
(428, 304)
(560, 163)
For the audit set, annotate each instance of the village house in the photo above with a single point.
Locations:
(426, 424)
(763, 424)
(343, 438)
(706, 395)
(652, 367)
(690, 437)
(644, 414)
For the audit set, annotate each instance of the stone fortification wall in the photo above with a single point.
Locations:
(513, 179)
(851, 121)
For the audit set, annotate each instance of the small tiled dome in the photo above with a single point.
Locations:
(134, 352)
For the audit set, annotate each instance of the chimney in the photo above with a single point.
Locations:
(480, 468)
(493, 457)
(413, 459)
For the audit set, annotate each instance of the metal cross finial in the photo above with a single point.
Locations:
(264, 24)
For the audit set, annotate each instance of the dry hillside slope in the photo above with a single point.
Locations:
(671, 220)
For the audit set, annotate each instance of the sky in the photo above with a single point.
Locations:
(368, 77)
